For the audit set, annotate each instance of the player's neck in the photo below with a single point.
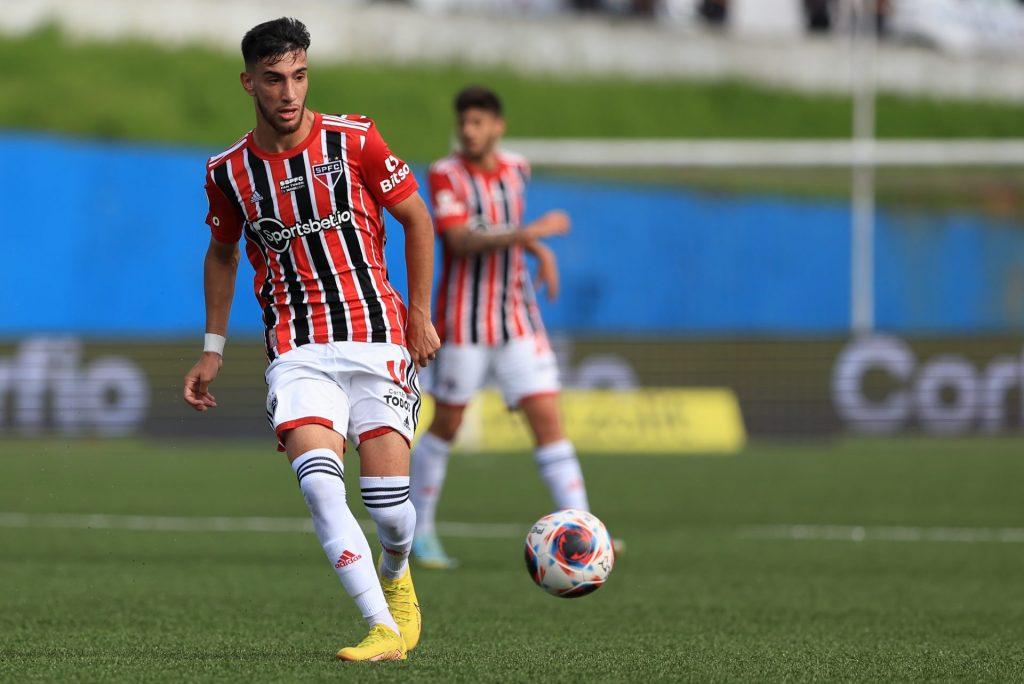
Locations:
(485, 162)
(268, 139)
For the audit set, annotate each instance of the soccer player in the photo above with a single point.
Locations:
(487, 314)
(309, 190)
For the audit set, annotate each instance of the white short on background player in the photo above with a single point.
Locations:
(487, 314)
(308, 191)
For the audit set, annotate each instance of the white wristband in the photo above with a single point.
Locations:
(214, 343)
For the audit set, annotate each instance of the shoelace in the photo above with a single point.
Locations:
(374, 636)
(404, 609)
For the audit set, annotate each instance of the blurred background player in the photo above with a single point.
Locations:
(487, 314)
(308, 189)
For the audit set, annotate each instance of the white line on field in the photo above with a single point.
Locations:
(859, 533)
(156, 523)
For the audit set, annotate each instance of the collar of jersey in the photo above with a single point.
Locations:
(314, 133)
(481, 171)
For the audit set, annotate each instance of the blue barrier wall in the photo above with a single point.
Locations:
(109, 238)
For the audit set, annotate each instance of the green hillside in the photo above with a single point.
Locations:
(191, 95)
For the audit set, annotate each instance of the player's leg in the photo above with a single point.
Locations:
(385, 407)
(527, 373)
(306, 409)
(555, 455)
(458, 373)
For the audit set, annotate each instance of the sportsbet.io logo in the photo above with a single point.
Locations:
(276, 236)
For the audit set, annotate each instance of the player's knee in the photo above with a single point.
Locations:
(395, 520)
(446, 423)
(304, 438)
(544, 419)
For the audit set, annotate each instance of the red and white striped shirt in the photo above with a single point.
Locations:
(483, 298)
(313, 218)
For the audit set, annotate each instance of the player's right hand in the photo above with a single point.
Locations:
(197, 381)
(551, 223)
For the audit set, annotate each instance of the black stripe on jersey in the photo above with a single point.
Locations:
(506, 257)
(296, 295)
(223, 180)
(361, 270)
(325, 276)
(478, 263)
(220, 177)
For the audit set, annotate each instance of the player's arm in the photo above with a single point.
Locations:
(547, 268)
(420, 336)
(463, 239)
(219, 270)
(393, 185)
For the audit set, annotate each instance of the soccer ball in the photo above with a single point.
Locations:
(569, 553)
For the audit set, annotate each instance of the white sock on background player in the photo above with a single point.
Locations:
(387, 501)
(322, 481)
(560, 470)
(429, 467)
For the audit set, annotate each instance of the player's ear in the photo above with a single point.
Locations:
(246, 78)
(501, 125)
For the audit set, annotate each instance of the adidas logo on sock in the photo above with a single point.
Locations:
(347, 558)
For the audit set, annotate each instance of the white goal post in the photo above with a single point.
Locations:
(862, 153)
(861, 156)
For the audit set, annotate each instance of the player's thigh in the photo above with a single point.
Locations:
(301, 394)
(459, 373)
(386, 455)
(298, 441)
(526, 368)
(384, 393)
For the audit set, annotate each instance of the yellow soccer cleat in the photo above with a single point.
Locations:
(380, 644)
(404, 606)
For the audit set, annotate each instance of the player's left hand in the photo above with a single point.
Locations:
(420, 337)
(547, 271)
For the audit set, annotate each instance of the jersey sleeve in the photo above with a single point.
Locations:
(447, 201)
(388, 178)
(223, 217)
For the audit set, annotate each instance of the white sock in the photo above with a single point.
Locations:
(429, 467)
(560, 470)
(387, 501)
(322, 481)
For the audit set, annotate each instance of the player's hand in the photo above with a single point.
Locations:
(420, 337)
(547, 271)
(197, 381)
(552, 223)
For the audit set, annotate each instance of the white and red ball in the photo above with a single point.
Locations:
(569, 553)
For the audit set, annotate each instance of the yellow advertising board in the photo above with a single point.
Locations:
(643, 421)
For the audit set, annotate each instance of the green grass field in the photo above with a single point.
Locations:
(699, 596)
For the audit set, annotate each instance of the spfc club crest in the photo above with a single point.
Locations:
(328, 173)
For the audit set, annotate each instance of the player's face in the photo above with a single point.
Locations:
(479, 132)
(279, 90)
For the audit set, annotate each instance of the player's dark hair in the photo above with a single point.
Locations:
(478, 97)
(271, 41)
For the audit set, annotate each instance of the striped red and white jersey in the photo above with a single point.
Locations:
(483, 298)
(313, 218)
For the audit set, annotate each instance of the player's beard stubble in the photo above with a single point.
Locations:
(279, 126)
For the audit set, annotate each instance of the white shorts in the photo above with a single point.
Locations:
(521, 368)
(358, 389)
